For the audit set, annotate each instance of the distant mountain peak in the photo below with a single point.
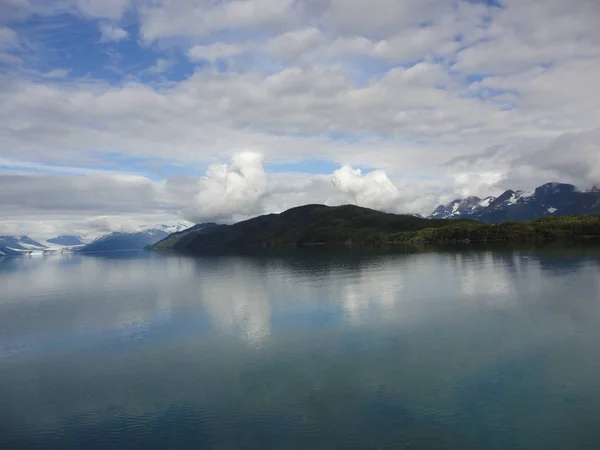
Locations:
(125, 241)
(548, 199)
(66, 240)
(555, 187)
(20, 244)
(460, 208)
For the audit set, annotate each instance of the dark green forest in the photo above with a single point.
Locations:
(353, 225)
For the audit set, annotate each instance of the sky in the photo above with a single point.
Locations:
(120, 114)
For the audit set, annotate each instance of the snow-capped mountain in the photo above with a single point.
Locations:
(125, 241)
(461, 208)
(67, 241)
(548, 199)
(19, 245)
(23, 245)
(175, 228)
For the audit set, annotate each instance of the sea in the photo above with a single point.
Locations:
(449, 348)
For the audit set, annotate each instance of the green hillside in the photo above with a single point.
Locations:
(305, 225)
(324, 225)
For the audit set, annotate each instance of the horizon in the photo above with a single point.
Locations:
(182, 224)
(130, 113)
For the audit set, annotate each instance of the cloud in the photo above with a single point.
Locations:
(19, 10)
(56, 73)
(293, 44)
(9, 41)
(96, 202)
(112, 33)
(161, 65)
(447, 98)
(171, 19)
(8, 37)
(48, 205)
(372, 190)
(214, 52)
(61, 194)
(111, 224)
(229, 189)
(105, 9)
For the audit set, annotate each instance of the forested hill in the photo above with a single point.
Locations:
(323, 225)
(304, 225)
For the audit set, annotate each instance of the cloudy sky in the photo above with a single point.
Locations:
(121, 113)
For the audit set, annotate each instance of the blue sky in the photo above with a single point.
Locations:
(279, 102)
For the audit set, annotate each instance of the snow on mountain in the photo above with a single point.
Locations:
(175, 228)
(457, 208)
(486, 202)
(547, 199)
(125, 241)
(24, 245)
(20, 243)
(67, 241)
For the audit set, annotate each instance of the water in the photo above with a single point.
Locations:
(314, 350)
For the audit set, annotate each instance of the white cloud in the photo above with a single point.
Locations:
(387, 84)
(56, 73)
(8, 37)
(229, 189)
(293, 44)
(104, 9)
(168, 19)
(111, 33)
(96, 202)
(161, 65)
(373, 190)
(9, 41)
(214, 52)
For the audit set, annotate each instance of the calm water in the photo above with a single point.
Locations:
(449, 350)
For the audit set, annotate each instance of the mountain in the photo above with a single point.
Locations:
(304, 225)
(124, 241)
(461, 208)
(7, 251)
(19, 245)
(550, 199)
(174, 228)
(182, 237)
(66, 241)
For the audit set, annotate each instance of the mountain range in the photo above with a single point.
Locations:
(24, 245)
(131, 241)
(18, 245)
(66, 241)
(320, 225)
(550, 199)
(303, 225)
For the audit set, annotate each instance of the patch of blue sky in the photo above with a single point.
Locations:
(152, 168)
(74, 44)
(493, 3)
(357, 138)
(108, 164)
(36, 167)
(475, 77)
